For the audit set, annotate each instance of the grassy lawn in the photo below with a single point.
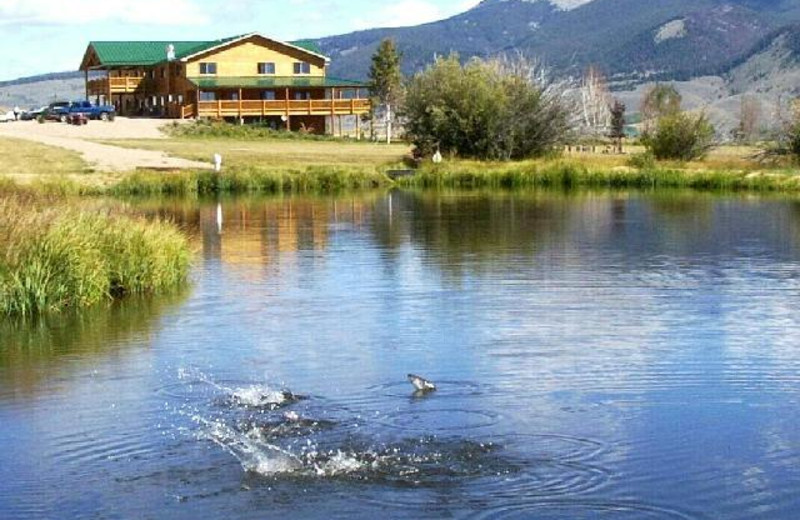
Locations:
(24, 159)
(275, 153)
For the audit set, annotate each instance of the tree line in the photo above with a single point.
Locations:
(509, 108)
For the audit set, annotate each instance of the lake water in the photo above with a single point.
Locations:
(596, 356)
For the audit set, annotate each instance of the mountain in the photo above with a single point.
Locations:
(628, 39)
(716, 50)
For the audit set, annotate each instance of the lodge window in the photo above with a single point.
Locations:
(302, 95)
(266, 68)
(301, 67)
(268, 95)
(208, 68)
(208, 96)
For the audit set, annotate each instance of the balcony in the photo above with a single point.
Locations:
(114, 85)
(256, 108)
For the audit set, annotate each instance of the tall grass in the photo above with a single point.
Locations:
(250, 180)
(566, 175)
(55, 256)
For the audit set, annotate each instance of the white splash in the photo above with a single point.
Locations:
(258, 395)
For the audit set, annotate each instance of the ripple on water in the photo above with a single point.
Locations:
(579, 510)
(440, 420)
(444, 390)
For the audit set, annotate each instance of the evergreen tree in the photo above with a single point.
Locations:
(617, 123)
(385, 77)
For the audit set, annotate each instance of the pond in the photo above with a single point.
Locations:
(595, 355)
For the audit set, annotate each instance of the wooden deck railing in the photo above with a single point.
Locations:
(123, 85)
(310, 107)
(187, 111)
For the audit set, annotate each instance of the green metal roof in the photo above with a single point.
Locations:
(113, 54)
(274, 82)
(141, 53)
(309, 45)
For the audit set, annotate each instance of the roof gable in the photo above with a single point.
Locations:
(302, 49)
(113, 54)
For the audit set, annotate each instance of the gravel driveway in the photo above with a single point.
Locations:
(102, 157)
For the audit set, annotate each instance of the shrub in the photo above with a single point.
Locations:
(642, 161)
(483, 110)
(680, 136)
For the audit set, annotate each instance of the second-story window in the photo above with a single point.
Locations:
(267, 68)
(302, 67)
(208, 68)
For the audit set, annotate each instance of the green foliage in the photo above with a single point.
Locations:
(643, 161)
(385, 75)
(659, 101)
(680, 136)
(617, 120)
(481, 110)
(794, 140)
(568, 175)
(56, 256)
(249, 180)
(208, 129)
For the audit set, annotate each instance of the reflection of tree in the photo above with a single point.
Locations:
(468, 230)
(32, 348)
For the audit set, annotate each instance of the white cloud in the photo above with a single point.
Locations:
(77, 12)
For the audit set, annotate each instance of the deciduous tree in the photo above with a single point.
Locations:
(496, 109)
(659, 100)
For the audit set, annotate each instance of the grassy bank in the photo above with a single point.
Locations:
(566, 174)
(266, 164)
(275, 153)
(249, 180)
(55, 255)
(25, 160)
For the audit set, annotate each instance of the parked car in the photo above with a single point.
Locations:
(101, 112)
(56, 111)
(6, 117)
(33, 113)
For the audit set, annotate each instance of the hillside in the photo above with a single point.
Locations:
(628, 39)
(716, 49)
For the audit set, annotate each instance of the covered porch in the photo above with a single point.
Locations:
(292, 103)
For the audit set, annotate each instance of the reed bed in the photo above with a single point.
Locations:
(566, 175)
(250, 180)
(55, 255)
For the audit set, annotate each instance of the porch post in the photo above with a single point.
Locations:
(288, 125)
(240, 105)
(86, 82)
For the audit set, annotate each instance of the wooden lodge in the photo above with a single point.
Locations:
(244, 78)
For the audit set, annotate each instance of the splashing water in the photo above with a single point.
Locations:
(246, 423)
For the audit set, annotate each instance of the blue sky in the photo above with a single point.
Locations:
(39, 36)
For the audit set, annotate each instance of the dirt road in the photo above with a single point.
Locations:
(102, 157)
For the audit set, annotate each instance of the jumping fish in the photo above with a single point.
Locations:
(421, 384)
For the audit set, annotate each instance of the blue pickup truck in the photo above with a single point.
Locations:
(101, 112)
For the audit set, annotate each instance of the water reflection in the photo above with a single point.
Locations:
(34, 349)
(624, 355)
